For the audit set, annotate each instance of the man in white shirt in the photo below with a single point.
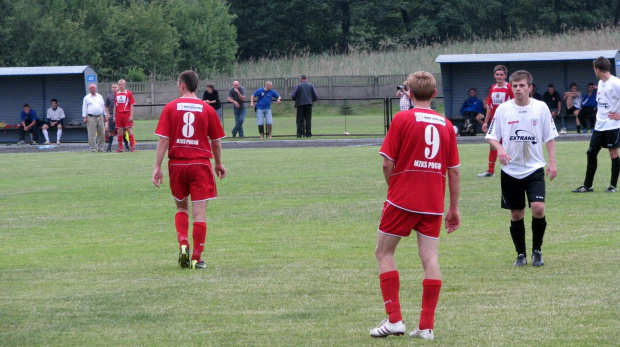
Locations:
(93, 112)
(54, 119)
(522, 125)
(607, 129)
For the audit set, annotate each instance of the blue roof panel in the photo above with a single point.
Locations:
(42, 70)
(513, 57)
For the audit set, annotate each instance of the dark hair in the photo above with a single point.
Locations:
(26, 105)
(602, 64)
(54, 100)
(474, 89)
(572, 84)
(190, 79)
(551, 85)
(521, 75)
(501, 68)
(211, 85)
(591, 84)
(533, 84)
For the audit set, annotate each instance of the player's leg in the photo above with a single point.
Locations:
(120, 137)
(58, 131)
(576, 112)
(431, 285)
(615, 169)
(513, 199)
(199, 232)
(535, 190)
(592, 155)
(181, 223)
(131, 139)
(45, 133)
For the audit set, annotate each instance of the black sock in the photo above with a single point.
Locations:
(615, 171)
(517, 231)
(539, 225)
(261, 129)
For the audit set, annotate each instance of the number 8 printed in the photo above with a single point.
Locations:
(188, 129)
(431, 136)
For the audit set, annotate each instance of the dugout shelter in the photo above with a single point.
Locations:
(36, 86)
(459, 72)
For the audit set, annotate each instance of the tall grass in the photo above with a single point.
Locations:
(392, 62)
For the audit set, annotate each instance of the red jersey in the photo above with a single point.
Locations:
(189, 123)
(498, 96)
(123, 101)
(422, 144)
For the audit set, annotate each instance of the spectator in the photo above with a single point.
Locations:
(236, 95)
(588, 108)
(111, 124)
(535, 94)
(93, 112)
(480, 117)
(263, 107)
(123, 105)
(29, 121)
(573, 103)
(54, 119)
(554, 102)
(212, 97)
(405, 98)
(472, 108)
(304, 95)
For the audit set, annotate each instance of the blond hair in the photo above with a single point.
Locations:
(422, 85)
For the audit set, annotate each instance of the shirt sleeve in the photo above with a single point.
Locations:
(61, 113)
(84, 107)
(257, 92)
(495, 133)
(453, 156)
(391, 145)
(131, 99)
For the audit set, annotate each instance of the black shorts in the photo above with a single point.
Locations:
(49, 123)
(514, 190)
(572, 110)
(605, 139)
(111, 124)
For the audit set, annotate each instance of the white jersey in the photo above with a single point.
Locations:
(55, 115)
(608, 98)
(523, 130)
(577, 101)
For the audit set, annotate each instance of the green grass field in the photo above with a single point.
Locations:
(88, 256)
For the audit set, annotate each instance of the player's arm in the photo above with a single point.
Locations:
(220, 170)
(388, 168)
(252, 100)
(502, 155)
(453, 217)
(552, 169)
(162, 147)
(131, 113)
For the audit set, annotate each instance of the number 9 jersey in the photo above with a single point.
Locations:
(422, 145)
(189, 123)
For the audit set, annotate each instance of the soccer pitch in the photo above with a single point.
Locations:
(88, 255)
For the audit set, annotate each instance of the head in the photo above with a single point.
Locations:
(236, 84)
(591, 87)
(500, 72)
(26, 108)
(573, 87)
(188, 81)
(551, 88)
(533, 87)
(115, 88)
(422, 85)
(210, 87)
(602, 66)
(521, 83)
(268, 85)
(302, 78)
(472, 92)
(121, 85)
(54, 103)
(92, 88)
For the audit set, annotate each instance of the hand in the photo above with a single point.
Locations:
(251, 104)
(131, 119)
(85, 120)
(220, 171)
(236, 104)
(278, 101)
(158, 177)
(484, 127)
(552, 171)
(452, 220)
(614, 115)
(503, 156)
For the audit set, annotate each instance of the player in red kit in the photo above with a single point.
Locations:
(498, 94)
(418, 151)
(123, 104)
(190, 130)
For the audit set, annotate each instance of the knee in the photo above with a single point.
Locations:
(383, 255)
(538, 209)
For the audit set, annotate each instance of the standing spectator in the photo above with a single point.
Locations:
(471, 109)
(93, 112)
(588, 108)
(109, 109)
(419, 149)
(190, 131)
(554, 102)
(304, 95)
(54, 119)
(236, 95)
(212, 97)
(123, 106)
(28, 118)
(498, 94)
(573, 103)
(405, 98)
(607, 129)
(263, 107)
(535, 94)
(518, 131)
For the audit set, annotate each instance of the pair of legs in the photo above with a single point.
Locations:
(605, 138)
(96, 133)
(199, 232)
(239, 119)
(47, 126)
(574, 112)
(492, 159)
(263, 116)
(34, 132)
(304, 120)
(586, 116)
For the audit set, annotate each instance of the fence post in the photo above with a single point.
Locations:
(152, 100)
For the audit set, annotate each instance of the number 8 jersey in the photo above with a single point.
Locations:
(189, 123)
(422, 145)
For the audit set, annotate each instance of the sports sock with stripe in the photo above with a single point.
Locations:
(492, 160)
(199, 234)
(430, 297)
(181, 222)
(390, 287)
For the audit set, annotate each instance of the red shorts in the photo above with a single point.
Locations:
(194, 179)
(398, 222)
(122, 120)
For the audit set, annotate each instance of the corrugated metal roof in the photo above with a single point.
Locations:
(42, 70)
(512, 57)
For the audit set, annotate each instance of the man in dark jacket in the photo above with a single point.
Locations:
(304, 95)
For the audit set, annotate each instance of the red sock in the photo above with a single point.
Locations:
(181, 222)
(390, 285)
(200, 234)
(430, 296)
(120, 142)
(492, 160)
(132, 141)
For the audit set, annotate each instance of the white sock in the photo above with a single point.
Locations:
(58, 135)
(47, 137)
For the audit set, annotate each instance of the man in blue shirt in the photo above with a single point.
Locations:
(472, 108)
(588, 108)
(29, 121)
(263, 107)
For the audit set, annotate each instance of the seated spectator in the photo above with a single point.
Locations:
(54, 119)
(405, 98)
(480, 117)
(554, 102)
(588, 108)
(573, 103)
(535, 94)
(28, 124)
(472, 107)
